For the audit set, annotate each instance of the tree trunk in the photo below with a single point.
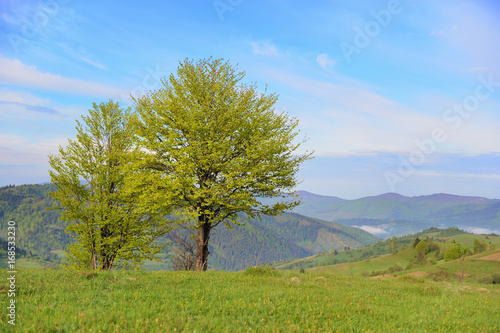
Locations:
(93, 260)
(202, 244)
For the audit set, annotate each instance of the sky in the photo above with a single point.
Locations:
(393, 96)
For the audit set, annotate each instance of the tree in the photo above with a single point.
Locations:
(110, 229)
(392, 243)
(213, 147)
(480, 246)
(182, 249)
(458, 251)
(421, 249)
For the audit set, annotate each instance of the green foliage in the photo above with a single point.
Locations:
(455, 252)
(109, 227)
(480, 246)
(211, 146)
(415, 242)
(422, 249)
(39, 233)
(261, 271)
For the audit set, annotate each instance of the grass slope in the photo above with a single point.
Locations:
(378, 258)
(259, 300)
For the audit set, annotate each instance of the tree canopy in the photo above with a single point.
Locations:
(110, 228)
(212, 146)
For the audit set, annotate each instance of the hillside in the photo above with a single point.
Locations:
(401, 258)
(393, 214)
(280, 237)
(41, 234)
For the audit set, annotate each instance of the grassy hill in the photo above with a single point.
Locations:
(41, 234)
(378, 260)
(260, 300)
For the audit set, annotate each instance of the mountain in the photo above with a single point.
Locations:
(393, 214)
(272, 238)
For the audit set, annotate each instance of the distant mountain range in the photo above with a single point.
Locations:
(393, 214)
(319, 224)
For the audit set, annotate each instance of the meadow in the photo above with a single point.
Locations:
(258, 299)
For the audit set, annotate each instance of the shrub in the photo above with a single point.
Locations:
(452, 253)
(484, 278)
(412, 279)
(441, 275)
(262, 271)
(495, 278)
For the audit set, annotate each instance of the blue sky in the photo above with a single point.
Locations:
(395, 96)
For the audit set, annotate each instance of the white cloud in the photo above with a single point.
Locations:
(324, 61)
(480, 231)
(265, 48)
(439, 174)
(14, 72)
(16, 149)
(7, 95)
(348, 117)
(93, 63)
(372, 230)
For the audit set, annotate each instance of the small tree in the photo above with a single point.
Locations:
(480, 246)
(109, 227)
(182, 250)
(213, 146)
(455, 252)
(421, 249)
(392, 243)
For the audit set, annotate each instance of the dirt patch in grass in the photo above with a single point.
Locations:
(418, 274)
(494, 257)
(384, 276)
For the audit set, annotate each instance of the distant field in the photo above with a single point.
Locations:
(259, 300)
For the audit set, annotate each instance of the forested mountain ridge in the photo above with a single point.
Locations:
(274, 238)
(38, 229)
(287, 236)
(394, 214)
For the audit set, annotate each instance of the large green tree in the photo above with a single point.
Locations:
(213, 147)
(110, 228)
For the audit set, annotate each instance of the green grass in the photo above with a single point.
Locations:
(377, 257)
(30, 263)
(260, 300)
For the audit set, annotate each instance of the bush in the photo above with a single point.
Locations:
(441, 275)
(484, 278)
(495, 278)
(452, 253)
(412, 279)
(262, 271)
